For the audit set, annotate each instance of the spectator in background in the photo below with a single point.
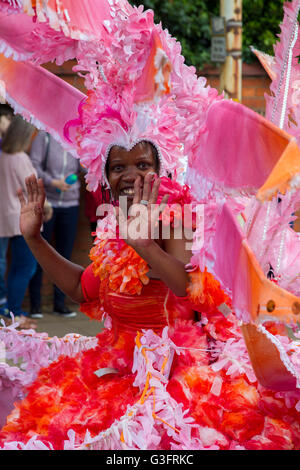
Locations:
(15, 165)
(53, 164)
(6, 115)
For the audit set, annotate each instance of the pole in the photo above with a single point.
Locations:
(231, 71)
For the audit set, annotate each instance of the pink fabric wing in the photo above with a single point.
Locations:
(237, 151)
(254, 296)
(227, 245)
(41, 97)
(80, 19)
(23, 39)
(14, 32)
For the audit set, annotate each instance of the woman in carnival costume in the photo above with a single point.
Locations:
(159, 376)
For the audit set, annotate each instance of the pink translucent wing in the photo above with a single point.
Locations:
(237, 268)
(226, 261)
(231, 265)
(254, 297)
(237, 150)
(45, 99)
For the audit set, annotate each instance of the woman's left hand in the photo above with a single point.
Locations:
(142, 226)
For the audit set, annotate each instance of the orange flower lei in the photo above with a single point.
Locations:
(120, 264)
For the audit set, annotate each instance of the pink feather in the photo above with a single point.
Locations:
(275, 103)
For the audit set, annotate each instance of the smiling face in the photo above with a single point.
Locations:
(124, 167)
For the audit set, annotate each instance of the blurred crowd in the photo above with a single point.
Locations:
(25, 151)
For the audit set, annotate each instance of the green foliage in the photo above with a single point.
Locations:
(261, 19)
(189, 22)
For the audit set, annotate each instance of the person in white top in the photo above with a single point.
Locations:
(15, 166)
(6, 114)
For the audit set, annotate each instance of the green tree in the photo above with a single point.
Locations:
(261, 19)
(189, 22)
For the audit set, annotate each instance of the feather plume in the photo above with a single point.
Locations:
(280, 106)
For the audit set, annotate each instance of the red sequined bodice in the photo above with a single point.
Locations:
(155, 307)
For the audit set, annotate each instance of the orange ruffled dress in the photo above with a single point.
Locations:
(157, 378)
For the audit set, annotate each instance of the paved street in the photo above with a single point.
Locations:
(56, 326)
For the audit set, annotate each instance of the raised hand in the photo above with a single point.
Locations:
(141, 228)
(32, 207)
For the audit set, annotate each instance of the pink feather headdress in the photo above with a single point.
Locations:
(139, 89)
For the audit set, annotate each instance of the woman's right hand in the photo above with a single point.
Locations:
(61, 185)
(31, 217)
